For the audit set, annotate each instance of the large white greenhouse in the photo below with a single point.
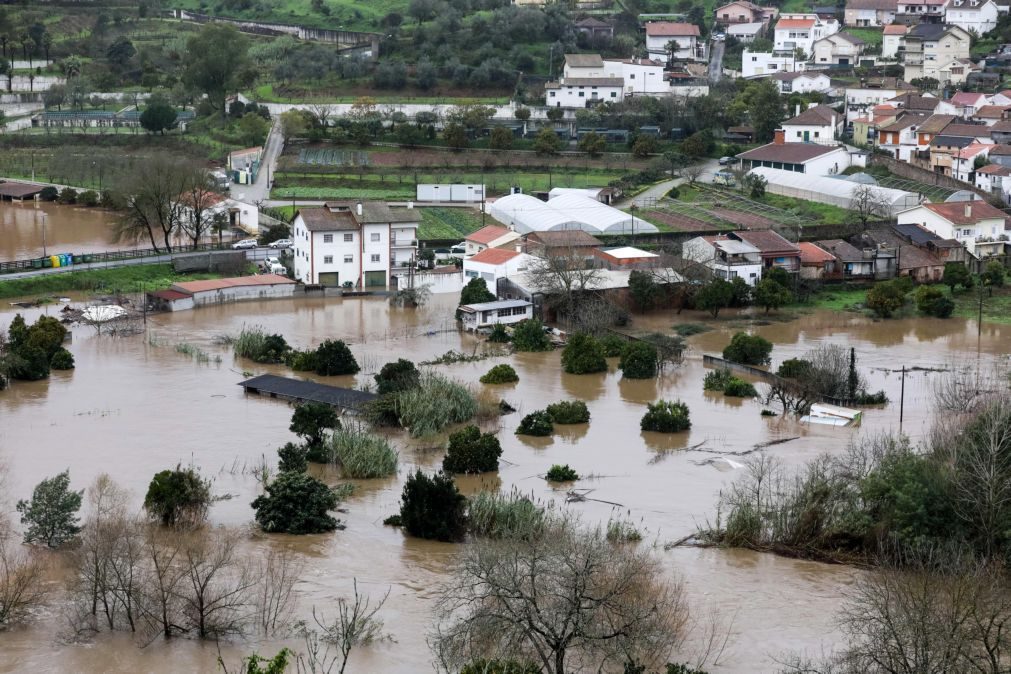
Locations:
(834, 191)
(526, 214)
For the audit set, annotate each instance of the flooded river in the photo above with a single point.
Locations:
(135, 406)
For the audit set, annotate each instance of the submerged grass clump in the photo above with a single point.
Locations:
(196, 352)
(361, 454)
(504, 515)
(689, 329)
(258, 346)
(434, 405)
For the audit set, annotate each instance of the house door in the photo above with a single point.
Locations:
(374, 279)
(807, 136)
(329, 279)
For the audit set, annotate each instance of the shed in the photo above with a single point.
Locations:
(626, 257)
(815, 262)
(831, 415)
(226, 290)
(485, 314)
(170, 300)
(19, 191)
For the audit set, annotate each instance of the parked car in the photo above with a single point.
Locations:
(719, 37)
(245, 243)
(459, 250)
(282, 243)
(272, 265)
(726, 161)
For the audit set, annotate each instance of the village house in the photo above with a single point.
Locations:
(810, 158)
(363, 243)
(871, 92)
(727, 258)
(841, 49)
(972, 16)
(626, 257)
(891, 40)
(815, 263)
(800, 31)
(486, 314)
(682, 38)
(217, 210)
(817, 124)
(743, 11)
(850, 262)
(896, 255)
(593, 27)
(963, 162)
(995, 179)
(492, 236)
(869, 13)
(775, 251)
(756, 63)
(1000, 132)
(572, 243)
(977, 225)
(991, 114)
(745, 32)
(966, 103)
(913, 12)
(582, 92)
(802, 82)
(1000, 154)
(493, 264)
(955, 136)
(936, 51)
(899, 136)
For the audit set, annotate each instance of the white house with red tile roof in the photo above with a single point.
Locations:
(970, 223)
(493, 264)
(1002, 97)
(219, 208)
(966, 103)
(727, 258)
(995, 179)
(492, 236)
(974, 16)
(815, 262)
(800, 31)
(991, 114)
(685, 37)
(869, 13)
(891, 40)
(963, 162)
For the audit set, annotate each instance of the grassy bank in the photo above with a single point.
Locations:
(837, 299)
(996, 309)
(136, 278)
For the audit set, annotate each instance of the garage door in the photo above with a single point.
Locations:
(328, 278)
(374, 279)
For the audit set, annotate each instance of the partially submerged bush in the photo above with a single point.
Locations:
(638, 361)
(748, 349)
(504, 516)
(583, 354)
(301, 361)
(362, 455)
(296, 503)
(717, 380)
(568, 412)
(471, 451)
(932, 301)
(498, 334)
(666, 416)
(613, 345)
(689, 329)
(62, 360)
(887, 297)
(536, 423)
(399, 375)
(529, 335)
(559, 473)
(333, 358)
(255, 344)
(292, 458)
(500, 374)
(311, 421)
(738, 388)
(622, 531)
(434, 405)
(433, 508)
(178, 497)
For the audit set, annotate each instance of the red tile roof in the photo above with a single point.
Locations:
(811, 254)
(955, 211)
(894, 29)
(794, 23)
(995, 170)
(493, 256)
(671, 29)
(237, 282)
(767, 242)
(486, 235)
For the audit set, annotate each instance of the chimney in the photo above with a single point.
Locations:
(797, 110)
(410, 205)
(779, 137)
(358, 208)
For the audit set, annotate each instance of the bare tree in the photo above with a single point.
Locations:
(356, 625)
(22, 581)
(198, 198)
(164, 582)
(567, 600)
(275, 589)
(214, 591)
(869, 203)
(151, 205)
(693, 172)
(563, 277)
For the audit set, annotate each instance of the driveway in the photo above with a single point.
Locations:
(716, 60)
(258, 191)
(649, 197)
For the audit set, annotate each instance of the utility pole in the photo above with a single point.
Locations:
(902, 398)
(43, 234)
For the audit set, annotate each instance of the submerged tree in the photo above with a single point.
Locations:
(51, 515)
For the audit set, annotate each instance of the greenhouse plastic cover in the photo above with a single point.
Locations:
(829, 190)
(526, 214)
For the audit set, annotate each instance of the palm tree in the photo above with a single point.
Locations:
(25, 39)
(72, 66)
(47, 42)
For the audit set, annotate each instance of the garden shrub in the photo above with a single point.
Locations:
(887, 297)
(362, 455)
(62, 360)
(613, 345)
(498, 334)
(433, 508)
(296, 503)
(471, 451)
(561, 474)
(88, 198)
(435, 404)
(178, 497)
(932, 301)
(583, 354)
(399, 375)
(748, 349)
(292, 458)
(333, 358)
(500, 374)
(738, 388)
(311, 421)
(537, 423)
(255, 344)
(568, 412)
(499, 516)
(638, 361)
(666, 416)
(716, 380)
(529, 335)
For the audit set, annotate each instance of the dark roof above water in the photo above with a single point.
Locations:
(303, 390)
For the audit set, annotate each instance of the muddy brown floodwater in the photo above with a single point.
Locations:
(135, 405)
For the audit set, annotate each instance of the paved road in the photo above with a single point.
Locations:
(649, 197)
(259, 190)
(252, 254)
(716, 60)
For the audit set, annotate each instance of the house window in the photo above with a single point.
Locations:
(552, 94)
(375, 258)
(798, 134)
(470, 274)
(614, 94)
(631, 76)
(348, 259)
(582, 94)
(349, 237)
(817, 134)
(966, 232)
(328, 259)
(328, 238)
(375, 237)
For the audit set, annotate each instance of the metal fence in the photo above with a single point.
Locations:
(109, 256)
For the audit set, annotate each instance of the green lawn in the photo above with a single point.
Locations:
(996, 309)
(449, 223)
(265, 93)
(130, 279)
(837, 299)
(825, 214)
(346, 14)
(872, 36)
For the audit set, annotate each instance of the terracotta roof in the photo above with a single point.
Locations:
(971, 151)
(493, 256)
(992, 111)
(170, 295)
(994, 170)
(904, 121)
(17, 190)
(767, 242)
(584, 61)
(486, 235)
(592, 82)
(843, 251)
(967, 130)
(955, 211)
(816, 116)
(376, 212)
(787, 24)
(916, 102)
(1003, 126)
(967, 98)
(894, 29)
(321, 219)
(811, 254)
(564, 238)
(935, 123)
(671, 29)
(873, 4)
(592, 22)
(791, 153)
(237, 282)
(1000, 150)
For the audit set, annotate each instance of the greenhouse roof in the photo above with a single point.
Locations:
(567, 211)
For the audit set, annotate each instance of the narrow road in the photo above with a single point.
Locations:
(649, 197)
(259, 190)
(716, 60)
